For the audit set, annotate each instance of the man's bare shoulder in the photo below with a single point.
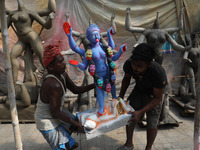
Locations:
(51, 83)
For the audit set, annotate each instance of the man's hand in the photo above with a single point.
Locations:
(80, 127)
(136, 115)
(67, 28)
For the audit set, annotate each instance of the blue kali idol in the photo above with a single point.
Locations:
(99, 60)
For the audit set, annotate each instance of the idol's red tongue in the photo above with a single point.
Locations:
(97, 40)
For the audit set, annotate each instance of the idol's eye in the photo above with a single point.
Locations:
(97, 34)
(93, 35)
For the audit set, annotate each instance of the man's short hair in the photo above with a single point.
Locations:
(143, 52)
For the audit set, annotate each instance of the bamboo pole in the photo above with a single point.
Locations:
(197, 110)
(197, 115)
(10, 85)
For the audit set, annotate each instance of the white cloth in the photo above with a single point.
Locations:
(43, 117)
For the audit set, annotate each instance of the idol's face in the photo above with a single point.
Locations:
(94, 37)
(140, 67)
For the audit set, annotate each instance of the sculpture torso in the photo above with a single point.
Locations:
(156, 38)
(99, 57)
(22, 22)
(194, 56)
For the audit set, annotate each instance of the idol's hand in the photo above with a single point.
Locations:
(113, 17)
(73, 62)
(188, 48)
(123, 48)
(111, 31)
(187, 60)
(128, 10)
(67, 28)
(52, 15)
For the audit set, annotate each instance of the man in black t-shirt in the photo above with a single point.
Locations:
(146, 97)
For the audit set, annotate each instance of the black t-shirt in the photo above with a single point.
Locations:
(155, 77)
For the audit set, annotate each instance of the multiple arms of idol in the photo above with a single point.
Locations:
(75, 48)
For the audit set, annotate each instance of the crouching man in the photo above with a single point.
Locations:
(49, 116)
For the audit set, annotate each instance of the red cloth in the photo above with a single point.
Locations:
(50, 52)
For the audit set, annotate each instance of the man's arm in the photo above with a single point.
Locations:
(157, 92)
(55, 94)
(77, 89)
(125, 83)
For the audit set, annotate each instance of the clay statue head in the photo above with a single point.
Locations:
(108, 87)
(110, 52)
(88, 54)
(20, 4)
(93, 34)
(100, 83)
(92, 69)
(112, 65)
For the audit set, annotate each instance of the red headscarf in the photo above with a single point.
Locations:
(50, 52)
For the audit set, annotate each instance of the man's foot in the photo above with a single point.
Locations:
(73, 146)
(123, 147)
